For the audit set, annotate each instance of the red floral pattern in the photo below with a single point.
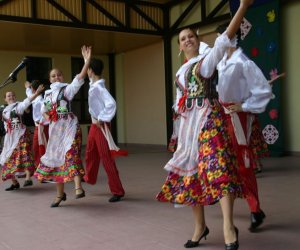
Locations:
(53, 113)
(20, 160)
(217, 172)
(257, 141)
(71, 168)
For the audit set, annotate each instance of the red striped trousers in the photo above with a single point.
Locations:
(97, 150)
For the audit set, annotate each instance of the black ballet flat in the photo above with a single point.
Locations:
(13, 187)
(233, 245)
(63, 198)
(81, 195)
(256, 220)
(192, 244)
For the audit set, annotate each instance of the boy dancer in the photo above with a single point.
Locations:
(102, 108)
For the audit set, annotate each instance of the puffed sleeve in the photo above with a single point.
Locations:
(72, 88)
(108, 112)
(22, 106)
(259, 87)
(215, 55)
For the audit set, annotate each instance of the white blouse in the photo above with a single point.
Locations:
(20, 108)
(102, 106)
(210, 62)
(69, 92)
(242, 81)
(63, 131)
(12, 138)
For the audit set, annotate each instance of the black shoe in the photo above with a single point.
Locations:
(256, 220)
(28, 183)
(81, 195)
(115, 198)
(13, 187)
(63, 198)
(234, 245)
(257, 170)
(191, 244)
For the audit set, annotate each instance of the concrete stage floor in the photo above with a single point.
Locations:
(139, 222)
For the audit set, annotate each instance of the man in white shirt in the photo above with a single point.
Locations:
(102, 108)
(243, 91)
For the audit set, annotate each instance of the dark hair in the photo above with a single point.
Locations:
(49, 72)
(35, 84)
(96, 65)
(221, 29)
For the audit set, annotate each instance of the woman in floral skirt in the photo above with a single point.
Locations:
(61, 162)
(16, 157)
(203, 169)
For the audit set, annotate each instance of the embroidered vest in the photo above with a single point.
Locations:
(15, 120)
(62, 105)
(197, 88)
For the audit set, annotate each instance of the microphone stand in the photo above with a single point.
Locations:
(10, 79)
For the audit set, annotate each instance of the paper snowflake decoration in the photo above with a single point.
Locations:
(270, 134)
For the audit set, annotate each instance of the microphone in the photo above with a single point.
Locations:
(13, 74)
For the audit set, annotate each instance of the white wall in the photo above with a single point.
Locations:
(144, 91)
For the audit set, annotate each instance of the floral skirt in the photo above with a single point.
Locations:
(72, 167)
(217, 168)
(257, 140)
(20, 160)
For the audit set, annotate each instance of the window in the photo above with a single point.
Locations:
(80, 101)
(38, 69)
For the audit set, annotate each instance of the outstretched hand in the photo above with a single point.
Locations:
(40, 89)
(86, 52)
(27, 84)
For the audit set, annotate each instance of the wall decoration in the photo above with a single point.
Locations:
(262, 46)
(271, 16)
(273, 113)
(270, 134)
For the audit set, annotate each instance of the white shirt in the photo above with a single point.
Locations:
(242, 81)
(37, 104)
(102, 106)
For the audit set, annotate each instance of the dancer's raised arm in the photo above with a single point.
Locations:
(86, 52)
(237, 18)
